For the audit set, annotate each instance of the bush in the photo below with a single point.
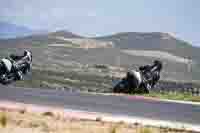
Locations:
(100, 66)
(3, 119)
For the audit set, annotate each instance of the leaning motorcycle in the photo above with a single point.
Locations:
(7, 75)
(132, 83)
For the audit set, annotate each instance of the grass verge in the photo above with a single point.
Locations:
(173, 96)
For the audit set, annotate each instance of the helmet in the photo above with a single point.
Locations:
(158, 64)
(28, 53)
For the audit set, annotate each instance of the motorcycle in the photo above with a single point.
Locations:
(7, 72)
(133, 83)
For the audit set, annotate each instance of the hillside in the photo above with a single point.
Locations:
(153, 41)
(157, 44)
(37, 39)
(70, 61)
(65, 34)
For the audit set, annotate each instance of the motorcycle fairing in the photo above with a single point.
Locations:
(7, 63)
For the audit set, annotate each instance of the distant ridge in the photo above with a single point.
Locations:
(42, 39)
(65, 34)
(153, 41)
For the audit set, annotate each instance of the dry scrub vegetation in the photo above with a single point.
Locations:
(22, 122)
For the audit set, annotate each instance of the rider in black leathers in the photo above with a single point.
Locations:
(143, 83)
(19, 60)
(151, 74)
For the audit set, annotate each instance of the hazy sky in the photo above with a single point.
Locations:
(102, 17)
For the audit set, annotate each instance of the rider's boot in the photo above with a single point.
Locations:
(19, 75)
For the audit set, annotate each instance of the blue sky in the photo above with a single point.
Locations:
(103, 17)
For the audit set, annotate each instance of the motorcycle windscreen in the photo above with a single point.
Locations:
(7, 64)
(137, 75)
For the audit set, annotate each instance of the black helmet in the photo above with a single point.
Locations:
(158, 64)
(28, 53)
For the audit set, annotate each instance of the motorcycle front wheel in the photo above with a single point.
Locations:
(122, 87)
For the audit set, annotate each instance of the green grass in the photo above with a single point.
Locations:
(174, 96)
(145, 130)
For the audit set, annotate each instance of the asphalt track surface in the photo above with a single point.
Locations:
(116, 105)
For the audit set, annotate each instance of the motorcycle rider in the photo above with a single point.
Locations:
(14, 64)
(24, 59)
(151, 73)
